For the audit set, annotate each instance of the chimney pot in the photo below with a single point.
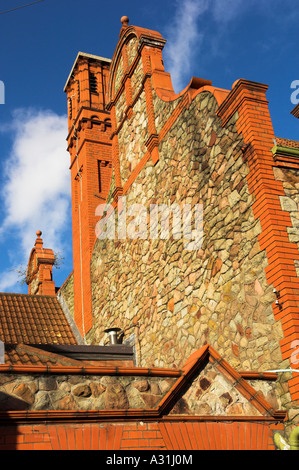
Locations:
(112, 333)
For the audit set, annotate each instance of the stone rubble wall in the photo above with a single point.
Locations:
(290, 202)
(177, 300)
(62, 392)
(133, 150)
(208, 394)
(67, 292)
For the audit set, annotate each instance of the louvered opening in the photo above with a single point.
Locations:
(93, 83)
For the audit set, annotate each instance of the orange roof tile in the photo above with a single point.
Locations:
(287, 143)
(62, 356)
(33, 319)
(31, 355)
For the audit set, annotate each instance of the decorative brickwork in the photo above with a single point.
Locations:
(173, 294)
(248, 99)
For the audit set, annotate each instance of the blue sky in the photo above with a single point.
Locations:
(221, 40)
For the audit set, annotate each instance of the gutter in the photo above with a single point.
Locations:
(121, 415)
(91, 370)
(287, 151)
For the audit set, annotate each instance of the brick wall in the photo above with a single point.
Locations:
(139, 436)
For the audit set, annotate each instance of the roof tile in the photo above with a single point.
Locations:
(287, 143)
(33, 319)
(24, 354)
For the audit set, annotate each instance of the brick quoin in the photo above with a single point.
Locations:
(248, 99)
(89, 147)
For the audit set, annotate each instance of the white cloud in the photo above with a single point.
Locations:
(224, 11)
(8, 279)
(198, 27)
(36, 186)
(183, 37)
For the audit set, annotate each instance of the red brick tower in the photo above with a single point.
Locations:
(89, 146)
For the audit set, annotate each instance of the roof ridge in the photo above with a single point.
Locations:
(282, 141)
(28, 295)
(35, 349)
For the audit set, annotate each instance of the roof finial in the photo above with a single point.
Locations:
(39, 241)
(125, 21)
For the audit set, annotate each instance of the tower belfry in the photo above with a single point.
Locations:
(89, 146)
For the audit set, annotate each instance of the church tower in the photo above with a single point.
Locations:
(89, 147)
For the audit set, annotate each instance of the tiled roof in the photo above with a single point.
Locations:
(287, 143)
(33, 319)
(72, 356)
(36, 333)
(30, 355)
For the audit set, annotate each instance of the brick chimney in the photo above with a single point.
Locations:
(39, 270)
